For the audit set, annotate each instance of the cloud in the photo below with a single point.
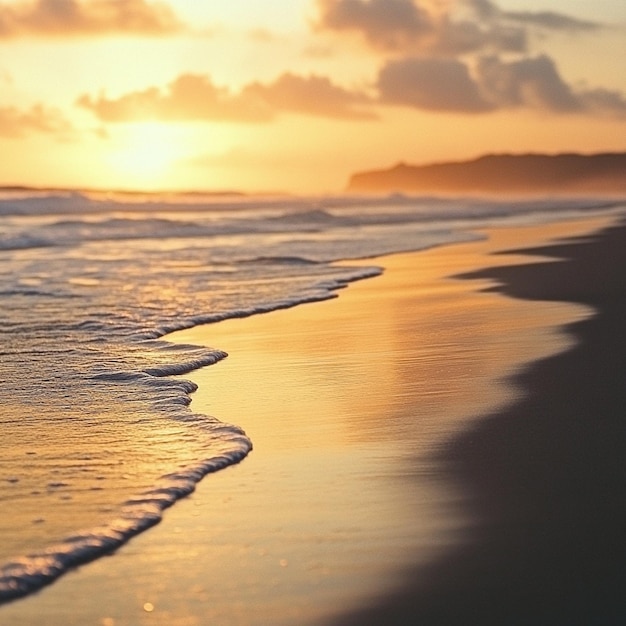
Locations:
(483, 9)
(409, 26)
(455, 37)
(551, 20)
(194, 97)
(446, 27)
(431, 84)
(604, 102)
(190, 97)
(442, 84)
(82, 17)
(533, 82)
(385, 24)
(488, 10)
(445, 84)
(16, 123)
(312, 95)
(464, 55)
(536, 83)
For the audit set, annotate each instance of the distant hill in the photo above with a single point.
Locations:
(503, 173)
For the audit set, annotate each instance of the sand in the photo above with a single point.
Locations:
(427, 450)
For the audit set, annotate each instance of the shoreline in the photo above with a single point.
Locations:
(151, 544)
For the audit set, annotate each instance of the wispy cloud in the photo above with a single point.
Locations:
(551, 21)
(82, 17)
(488, 10)
(194, 97)
(17, 123)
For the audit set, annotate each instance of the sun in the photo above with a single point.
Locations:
(144, 155)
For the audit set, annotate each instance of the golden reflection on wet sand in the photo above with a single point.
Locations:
(391, 355)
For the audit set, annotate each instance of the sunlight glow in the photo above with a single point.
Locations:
(238, 96)
(146, 153)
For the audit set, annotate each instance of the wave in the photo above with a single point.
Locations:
(280, 260)
(34, 571)
(225, 444)
(33, 293)
(23, 241)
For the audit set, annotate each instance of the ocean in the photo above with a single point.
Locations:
(98, 437)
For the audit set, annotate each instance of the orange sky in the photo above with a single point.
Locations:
(295, 95)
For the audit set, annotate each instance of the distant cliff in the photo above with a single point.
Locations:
(503, 173)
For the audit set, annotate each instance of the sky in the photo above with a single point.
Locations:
(296, 95)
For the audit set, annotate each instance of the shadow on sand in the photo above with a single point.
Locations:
(546, 477)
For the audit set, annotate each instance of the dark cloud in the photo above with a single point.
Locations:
(82, 17)
(483, 9)
(432, 84)
(533, 82)
(385, 24)
(195, 98)
(449, 85)
(536, 83)
(15, 123)
(604, 102)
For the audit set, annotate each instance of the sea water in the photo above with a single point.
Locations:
(97, 436)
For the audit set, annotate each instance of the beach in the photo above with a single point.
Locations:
(441, 444)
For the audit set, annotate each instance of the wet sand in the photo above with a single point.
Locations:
(398, 475)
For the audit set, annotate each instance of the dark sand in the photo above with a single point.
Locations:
(546, 478)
